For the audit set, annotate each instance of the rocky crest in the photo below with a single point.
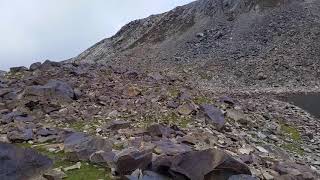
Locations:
(230, 43)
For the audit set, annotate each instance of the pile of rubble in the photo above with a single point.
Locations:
(147, 126)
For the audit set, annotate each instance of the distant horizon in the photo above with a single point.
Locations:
(35, 31)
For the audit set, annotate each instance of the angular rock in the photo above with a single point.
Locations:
(158, 130)
(214, 116)
(46, 132)
(8, 118)
(18, 69)
(53, 90)
(73, 167)
(54, 174)
(238, 116)
(227, 100)
(147, 175)
(296, 170)
(156, 76)
(242, 177)
(4, 139)
(35, 66)
(131, 159)
(21, 163)
(117, 124)
(79, 146)
(172, 104)
(20, 135)
(132, 91)
(103, 158)
(199, 165)
(187, 139)
(185, 109)
(169, 148)
(5, 91)
(47, 64)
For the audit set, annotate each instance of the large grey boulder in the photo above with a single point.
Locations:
(18, 69)
(213, 115)
(128, 160)
(199, 165)
(47, 65)
(21, 135)
(35, 66)
(21, 163)
(80, 146)
(53, 90)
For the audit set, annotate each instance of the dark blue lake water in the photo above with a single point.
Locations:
(308, 102)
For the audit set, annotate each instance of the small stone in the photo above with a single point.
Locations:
(98, 130)
(200, 35)
(261, 135)
(73, 167)
(114, 113)
(245, 150)
(262, 76)
(185, 109)
(317, 163)
(242, 177)
(4, 139)
(54, 174)
(261, 149)
(86, 127)
(51, 149)
(132, 91)
(116, 125)
(267, 176)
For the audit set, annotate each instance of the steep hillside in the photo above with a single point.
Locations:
(230, 43)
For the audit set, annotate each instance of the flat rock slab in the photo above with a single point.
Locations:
(80, 146)
(53, 90)
(199, 165)
(21, 163)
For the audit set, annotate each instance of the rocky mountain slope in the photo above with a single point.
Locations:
(100, 122)
(230, 43)
(192, 94)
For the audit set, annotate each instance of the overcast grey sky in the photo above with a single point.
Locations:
(35, 30)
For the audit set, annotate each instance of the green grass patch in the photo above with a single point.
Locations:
(293, 147)
(295, 136)
(173, 118)
(170, 118)
(205, 75)
(202, 100)
(86, 172)
(293, 133)
(173, 92)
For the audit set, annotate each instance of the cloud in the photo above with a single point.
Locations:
(36, 30)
